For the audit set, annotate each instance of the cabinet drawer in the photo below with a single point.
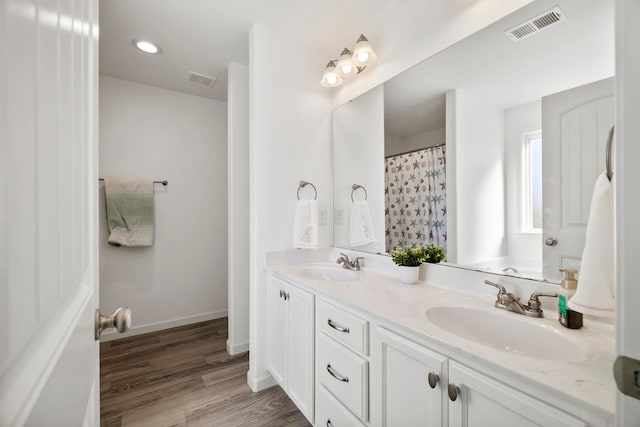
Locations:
(344, 374)
(343, 326)
(330, 413)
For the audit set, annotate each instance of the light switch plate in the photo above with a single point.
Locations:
(322, 217)
(338, 216)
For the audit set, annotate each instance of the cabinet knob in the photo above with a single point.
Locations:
(281, 293)
(454, 391)
(329, 423)
(433, 379)
(286, 296)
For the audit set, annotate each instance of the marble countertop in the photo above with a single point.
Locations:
(587, 381)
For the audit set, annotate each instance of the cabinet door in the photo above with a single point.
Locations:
(276, 329)
(483, 401)
(401, 392)
(301, 349)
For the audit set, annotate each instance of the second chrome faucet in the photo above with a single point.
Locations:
(507, 301)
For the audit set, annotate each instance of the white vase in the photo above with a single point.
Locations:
(409, 275)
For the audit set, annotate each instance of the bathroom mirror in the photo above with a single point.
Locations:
(490, 148)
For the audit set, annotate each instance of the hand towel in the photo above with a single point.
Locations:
(130, 216)
(360, 225)
(595, 293)
(305, 225)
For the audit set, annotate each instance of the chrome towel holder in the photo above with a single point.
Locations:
(609, 156)
(304, 184)
(355, 187)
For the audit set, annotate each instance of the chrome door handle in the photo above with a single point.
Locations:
(336, 375)
(121, 321)
(550, 241)
(453, 391)
(337, 327)
(433, 379)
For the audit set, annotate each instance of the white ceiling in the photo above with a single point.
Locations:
(204, 35)
(577, 51)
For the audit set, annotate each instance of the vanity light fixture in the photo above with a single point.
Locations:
(147, 46)
(350, 63)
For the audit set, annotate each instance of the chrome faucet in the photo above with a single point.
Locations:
(349, 264)
(507, 301)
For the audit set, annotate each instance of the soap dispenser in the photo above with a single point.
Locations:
(568, 285)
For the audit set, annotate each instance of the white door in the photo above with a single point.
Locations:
(48, 185)
(575, 127)
(626, 180)
(408, 383)
(484, 402)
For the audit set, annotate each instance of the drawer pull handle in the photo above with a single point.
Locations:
(433, 379)
(329, 423)
(336, 375)
(337, 327)
(453, 391)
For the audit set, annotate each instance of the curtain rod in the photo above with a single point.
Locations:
(163, 182)
(414, 151)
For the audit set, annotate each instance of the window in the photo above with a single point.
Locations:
(531, 200)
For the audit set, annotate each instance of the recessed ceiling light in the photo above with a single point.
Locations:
(147, 46)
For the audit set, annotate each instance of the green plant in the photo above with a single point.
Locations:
(409, 256)
(434, 253)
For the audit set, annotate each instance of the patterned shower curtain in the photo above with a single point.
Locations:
(416, 198)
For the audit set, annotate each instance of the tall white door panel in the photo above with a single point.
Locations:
(48, 187)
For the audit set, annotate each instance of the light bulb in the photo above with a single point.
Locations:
(147, 46)
(346, 69)
(363, 56)
(332, 79)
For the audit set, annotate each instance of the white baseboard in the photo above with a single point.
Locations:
(238, 348)
(111, 334)
(259, 384)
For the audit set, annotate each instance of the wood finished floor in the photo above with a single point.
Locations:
(185, 377)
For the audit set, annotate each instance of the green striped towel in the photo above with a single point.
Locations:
(129, 203)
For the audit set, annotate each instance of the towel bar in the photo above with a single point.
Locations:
(304, 184)
(609, 147)
(163, 182)
(354, 187)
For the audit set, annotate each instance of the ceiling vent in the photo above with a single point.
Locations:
(536, 24)
(201, 79)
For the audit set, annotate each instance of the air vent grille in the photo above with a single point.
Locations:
(536, 24)
(201, 79)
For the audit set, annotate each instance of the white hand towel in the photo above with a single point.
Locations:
(360, 225)
(130, 216)
(595, 294)
(305, 224)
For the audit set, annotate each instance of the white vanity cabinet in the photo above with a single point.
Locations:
(409, 382)
(290, 341)
(483, 401)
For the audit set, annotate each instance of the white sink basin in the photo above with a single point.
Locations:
(332, 274)
(505, 331)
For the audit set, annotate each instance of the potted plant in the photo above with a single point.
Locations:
(409, 259)
(435, 253)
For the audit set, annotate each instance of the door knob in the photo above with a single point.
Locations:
(550, 241)
(121, 321)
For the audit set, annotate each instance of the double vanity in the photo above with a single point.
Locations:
(358, 348)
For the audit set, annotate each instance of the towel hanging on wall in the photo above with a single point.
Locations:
(305, 225)
(130, 214)
(595, 294)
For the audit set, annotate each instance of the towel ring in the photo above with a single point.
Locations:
(609, 157)
(354, 187)
(304, 184)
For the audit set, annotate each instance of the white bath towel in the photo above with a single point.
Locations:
(360, 225)
(130, 216)
(595, 294)
(305, 224)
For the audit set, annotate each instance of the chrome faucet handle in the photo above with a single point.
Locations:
(345, 256)
(501, 289)
(534, 308)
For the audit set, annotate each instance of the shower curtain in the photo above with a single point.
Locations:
(416, 198)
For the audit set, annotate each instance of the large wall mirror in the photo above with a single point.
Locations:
(490, 148)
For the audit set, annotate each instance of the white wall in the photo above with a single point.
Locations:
(148, 131)
(428, 138)
(476, 156)
(238, 207)
(358, 151)
(290, 134)
(519, 120)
